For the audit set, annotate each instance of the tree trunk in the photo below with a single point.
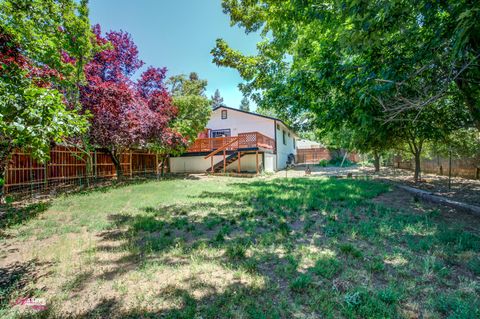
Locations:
(115, 156)
(3, 169)
(5, 154)
(416, 150)
(376, 161)
(416, 175)
(162, 167)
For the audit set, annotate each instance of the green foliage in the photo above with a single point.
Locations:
(373, 75)
(245, 105)
(323, 163)
(301, 283)
(178, 228)
(49, 43)
(33, 117)
(193, 115)
(236, 251)
(351, 250)
(194, 107)
(326, 266)
(216, 99)
(452, 305)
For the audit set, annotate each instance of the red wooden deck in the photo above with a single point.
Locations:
(250, 140)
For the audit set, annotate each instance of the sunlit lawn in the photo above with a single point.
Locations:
(241, 248)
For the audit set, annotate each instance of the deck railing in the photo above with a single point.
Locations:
(254, 140)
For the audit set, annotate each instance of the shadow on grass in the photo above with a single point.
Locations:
(16, 280)
(11, 215)
(260, 228)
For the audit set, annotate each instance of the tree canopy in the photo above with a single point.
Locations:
(217, 99)
(44, 46)
(245, 104)
(193, 106)
(378, 68)
(127, 113)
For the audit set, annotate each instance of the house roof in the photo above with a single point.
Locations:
(256, 114)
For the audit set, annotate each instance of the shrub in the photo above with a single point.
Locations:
(323, 163)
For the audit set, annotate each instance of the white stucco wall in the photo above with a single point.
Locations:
(270, 162)
(240, 122)
(197, 164)
(283, 150)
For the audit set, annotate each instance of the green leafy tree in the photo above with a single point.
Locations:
(362, 63)
(217, 99)
(44, 46)
(193, 105)
(245, 104)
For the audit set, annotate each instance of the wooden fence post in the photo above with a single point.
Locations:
(45, 176)
(239, 168)
(5, 182)
(224, 162)
(131, 167)
(95, 164)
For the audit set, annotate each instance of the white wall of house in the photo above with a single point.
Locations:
(240, 122)
(270, 162)
(197, 164)
(284, 148)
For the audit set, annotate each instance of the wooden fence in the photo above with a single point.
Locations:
(315, 154)
(462, 167)
(70, 165)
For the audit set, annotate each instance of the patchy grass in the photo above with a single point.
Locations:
(232, 248)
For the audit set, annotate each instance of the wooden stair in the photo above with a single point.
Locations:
(218, 167)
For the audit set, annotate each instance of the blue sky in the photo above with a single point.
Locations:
(179, 35)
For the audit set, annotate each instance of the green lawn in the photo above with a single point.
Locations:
(241, 248)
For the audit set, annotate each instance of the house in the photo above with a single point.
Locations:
(238, 141)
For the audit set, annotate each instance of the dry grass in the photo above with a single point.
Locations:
(232, 248)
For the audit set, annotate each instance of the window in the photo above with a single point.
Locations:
(224, 114)
(284, 138)
(288, 134)
(293, 139)
(220, 133)
(278, 127)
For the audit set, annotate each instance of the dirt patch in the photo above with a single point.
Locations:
(461, 189)
(405, 201)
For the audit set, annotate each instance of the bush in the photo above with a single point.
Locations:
(323, 163)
